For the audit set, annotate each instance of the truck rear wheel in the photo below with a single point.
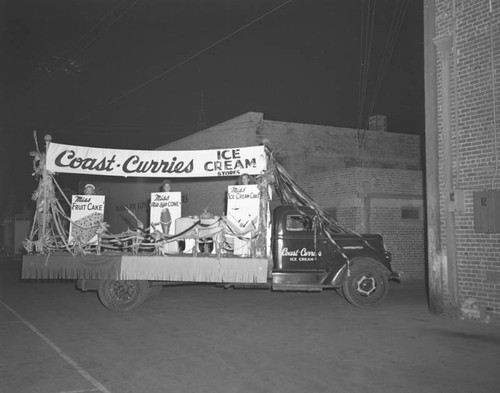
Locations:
(367, 284)
(123, 295)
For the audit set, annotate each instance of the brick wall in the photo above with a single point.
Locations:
(352, 217)
(336, 185)
(475, 139)
(404, 239)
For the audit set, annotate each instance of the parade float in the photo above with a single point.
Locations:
(301, 248)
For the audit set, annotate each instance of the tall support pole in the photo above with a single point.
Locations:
(45, 194)
(444, 44)
(434, 254)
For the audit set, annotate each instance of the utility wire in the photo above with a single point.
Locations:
(69, 53)
(361, 59)
(367, 25)
(107, 27)
(174, 67)
(400, 12)
(87, 36)
(128, 126)
(366, 33)
(128, 129)
(368, 53)
(393, 35)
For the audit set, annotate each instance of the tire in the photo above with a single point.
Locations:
(367, 285)
(154, 290)
(339, 292)
(118, 295)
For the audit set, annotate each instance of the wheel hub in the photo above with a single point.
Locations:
(366, 285)
(123, 290)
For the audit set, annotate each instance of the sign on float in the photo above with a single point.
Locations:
(87, 214)
(156, 163)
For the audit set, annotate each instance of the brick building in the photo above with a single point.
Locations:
(369, 180)
(462, 53)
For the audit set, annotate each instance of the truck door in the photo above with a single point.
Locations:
(329, 255)
(298, 247)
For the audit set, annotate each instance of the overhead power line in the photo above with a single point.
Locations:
(108, 26)
(367, 26)
(181, 63)
(125, 129)
(397, 22)
(69, 56)
(366, 37)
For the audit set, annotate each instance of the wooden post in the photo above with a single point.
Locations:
(434, 253)
(45, 200)
(261, 242)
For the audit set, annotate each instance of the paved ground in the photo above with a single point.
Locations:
(55, 339)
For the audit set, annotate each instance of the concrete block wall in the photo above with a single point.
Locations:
(237, 132)
(476, 138)
(332, 148)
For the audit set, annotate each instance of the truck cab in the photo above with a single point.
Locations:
(310, 256)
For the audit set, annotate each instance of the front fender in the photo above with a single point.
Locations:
(336, 279)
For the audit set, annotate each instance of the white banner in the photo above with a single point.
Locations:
(156, 163)
(87, 213)
(165, 209)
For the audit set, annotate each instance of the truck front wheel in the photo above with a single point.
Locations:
(367, 284)
(123, 295)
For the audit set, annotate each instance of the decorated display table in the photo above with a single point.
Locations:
(179, 268)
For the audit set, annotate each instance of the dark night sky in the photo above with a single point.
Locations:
(300, 64)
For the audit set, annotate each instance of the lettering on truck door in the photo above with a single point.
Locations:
(299, 251)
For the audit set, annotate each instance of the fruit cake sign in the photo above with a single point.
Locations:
(87, 213)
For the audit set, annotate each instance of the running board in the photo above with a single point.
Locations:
(242, 286)
(297, 288)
